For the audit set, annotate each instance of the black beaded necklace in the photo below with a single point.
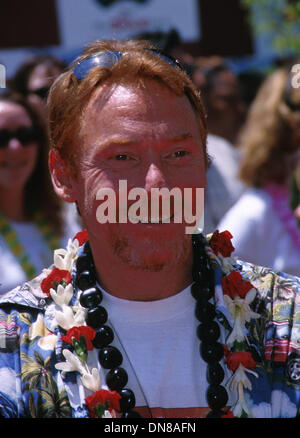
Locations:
(208, 330)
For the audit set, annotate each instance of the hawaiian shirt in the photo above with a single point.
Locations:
(31, 345)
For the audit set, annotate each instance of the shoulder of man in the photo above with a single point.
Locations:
(29, 294)
(18, 306)
(278, 303)
(272, 285)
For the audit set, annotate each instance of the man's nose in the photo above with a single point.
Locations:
(155, 177)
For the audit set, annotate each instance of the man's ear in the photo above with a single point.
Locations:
(62, 179)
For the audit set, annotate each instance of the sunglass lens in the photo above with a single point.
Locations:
(4, 137)
(26, 135)
(42, 92)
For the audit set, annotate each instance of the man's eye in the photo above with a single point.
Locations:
(121, 157)
(179, 154)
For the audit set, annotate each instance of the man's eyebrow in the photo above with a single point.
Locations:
(183, 136)
(123, 141)
(116, 141)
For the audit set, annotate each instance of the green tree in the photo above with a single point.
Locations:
(278, 18)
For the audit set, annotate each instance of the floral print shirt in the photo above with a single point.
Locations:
(31, 345)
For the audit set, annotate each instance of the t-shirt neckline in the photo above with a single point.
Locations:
(148, 311)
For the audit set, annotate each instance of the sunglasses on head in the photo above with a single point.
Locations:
(24, 135)
(110, 58)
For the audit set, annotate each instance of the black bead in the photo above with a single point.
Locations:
(85, 280)
(199, 255)
(87, 248)
(84, 263)
(216, 397)
(96, 317)
(207, 292)
(110, 357)
(205, 311)
(198, 275)
(127, 400)
(104, 336)
(90, 298)
(198, 241)
(131, 414)
(211, 352)
(215, 414)
(215, 373)
(116, 379)
(196, 290)
(208, 332)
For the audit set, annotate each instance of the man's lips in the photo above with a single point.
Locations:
(155, 220)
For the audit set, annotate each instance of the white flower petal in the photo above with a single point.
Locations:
(63, 295)
(72, 363)
(68, 293)
(64, 366)
(92, 381)
(65, 317)
(79, 318)
(59, 261)
(241, 404)
(107, 414)
(250, 296)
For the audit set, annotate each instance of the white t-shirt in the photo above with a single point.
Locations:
(259, 236)
(162, 359)
(35, 246)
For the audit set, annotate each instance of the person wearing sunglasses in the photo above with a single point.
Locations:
(137, 318)
(34, 77)
(31, 226)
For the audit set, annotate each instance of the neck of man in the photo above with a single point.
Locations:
(124, 281)
(12, 204)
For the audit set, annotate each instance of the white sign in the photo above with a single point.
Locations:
(81, 22)
(2, 76)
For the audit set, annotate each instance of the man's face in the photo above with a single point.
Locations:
(149, 137)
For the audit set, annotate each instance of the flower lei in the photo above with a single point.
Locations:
(102, 403)
(237, 293)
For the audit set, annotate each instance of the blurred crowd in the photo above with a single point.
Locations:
(253, 180)
(33, 220)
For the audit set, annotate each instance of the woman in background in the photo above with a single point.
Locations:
(263, 224)
(34, 78)
(31, 224)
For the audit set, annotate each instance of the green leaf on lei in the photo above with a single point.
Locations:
(80, 348)
(239, 346)
(100, 409)
(244, 414)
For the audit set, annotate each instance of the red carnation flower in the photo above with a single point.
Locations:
(220, 242)
(55, 277)
(75, 332)
(233, 360)
(228, 414)
(226, 350)
(233, 284)
(82, 237)
(107, 399)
